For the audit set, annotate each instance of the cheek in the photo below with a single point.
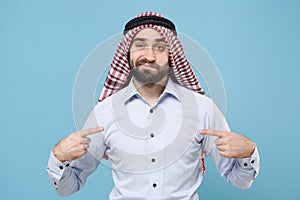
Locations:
(133, 57)
(164, 59)
(131, 63)
(131, 60)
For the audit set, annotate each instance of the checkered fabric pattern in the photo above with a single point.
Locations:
(119, 68)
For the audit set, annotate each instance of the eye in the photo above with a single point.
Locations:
(139, 46)
(160, 47)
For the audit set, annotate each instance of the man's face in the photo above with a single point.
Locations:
(149, 57)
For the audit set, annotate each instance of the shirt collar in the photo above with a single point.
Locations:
(170, 89)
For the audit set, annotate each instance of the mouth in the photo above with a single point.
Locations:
(148, 66)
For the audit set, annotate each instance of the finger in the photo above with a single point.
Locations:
(85, 140)
(217, 133)
(219, 141)
(90, 131)
(84, 146)
(221, 148)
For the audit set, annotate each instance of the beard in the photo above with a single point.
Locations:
(147, 76)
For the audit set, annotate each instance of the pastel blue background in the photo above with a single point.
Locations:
(43, 43)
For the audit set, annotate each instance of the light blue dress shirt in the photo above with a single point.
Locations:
(154, 151)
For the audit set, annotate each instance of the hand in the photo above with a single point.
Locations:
(75, 145)
(230, 144)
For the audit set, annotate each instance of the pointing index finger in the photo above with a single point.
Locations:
(90, 131)
(217, 133)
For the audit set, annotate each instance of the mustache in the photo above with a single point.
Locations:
(144, 61)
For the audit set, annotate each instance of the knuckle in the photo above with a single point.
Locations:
(227, 134)
(226, 154)
(75, 134)
(80, 148)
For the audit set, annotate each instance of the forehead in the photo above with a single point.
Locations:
(148, 34)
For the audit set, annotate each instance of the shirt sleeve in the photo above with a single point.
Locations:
(69, 177)
(238, 172)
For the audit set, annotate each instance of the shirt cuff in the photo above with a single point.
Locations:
(56, 167)
(251, 163)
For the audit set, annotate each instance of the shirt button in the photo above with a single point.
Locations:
(154, 185)
(55, 183)
(153, 159)
(61, 167)
(67, 165)
(245, 164)
(252, 161)
(151, 135)
(151, 110)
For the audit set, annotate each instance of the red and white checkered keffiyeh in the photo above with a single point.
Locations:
(119, 68)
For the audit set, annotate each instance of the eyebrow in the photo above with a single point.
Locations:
(144, 39)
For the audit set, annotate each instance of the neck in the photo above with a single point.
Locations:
(152, 91)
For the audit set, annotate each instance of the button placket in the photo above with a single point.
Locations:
(151, 128)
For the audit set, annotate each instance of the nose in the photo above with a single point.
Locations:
(149, 54)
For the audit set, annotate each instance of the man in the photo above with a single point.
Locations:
(154, 124)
